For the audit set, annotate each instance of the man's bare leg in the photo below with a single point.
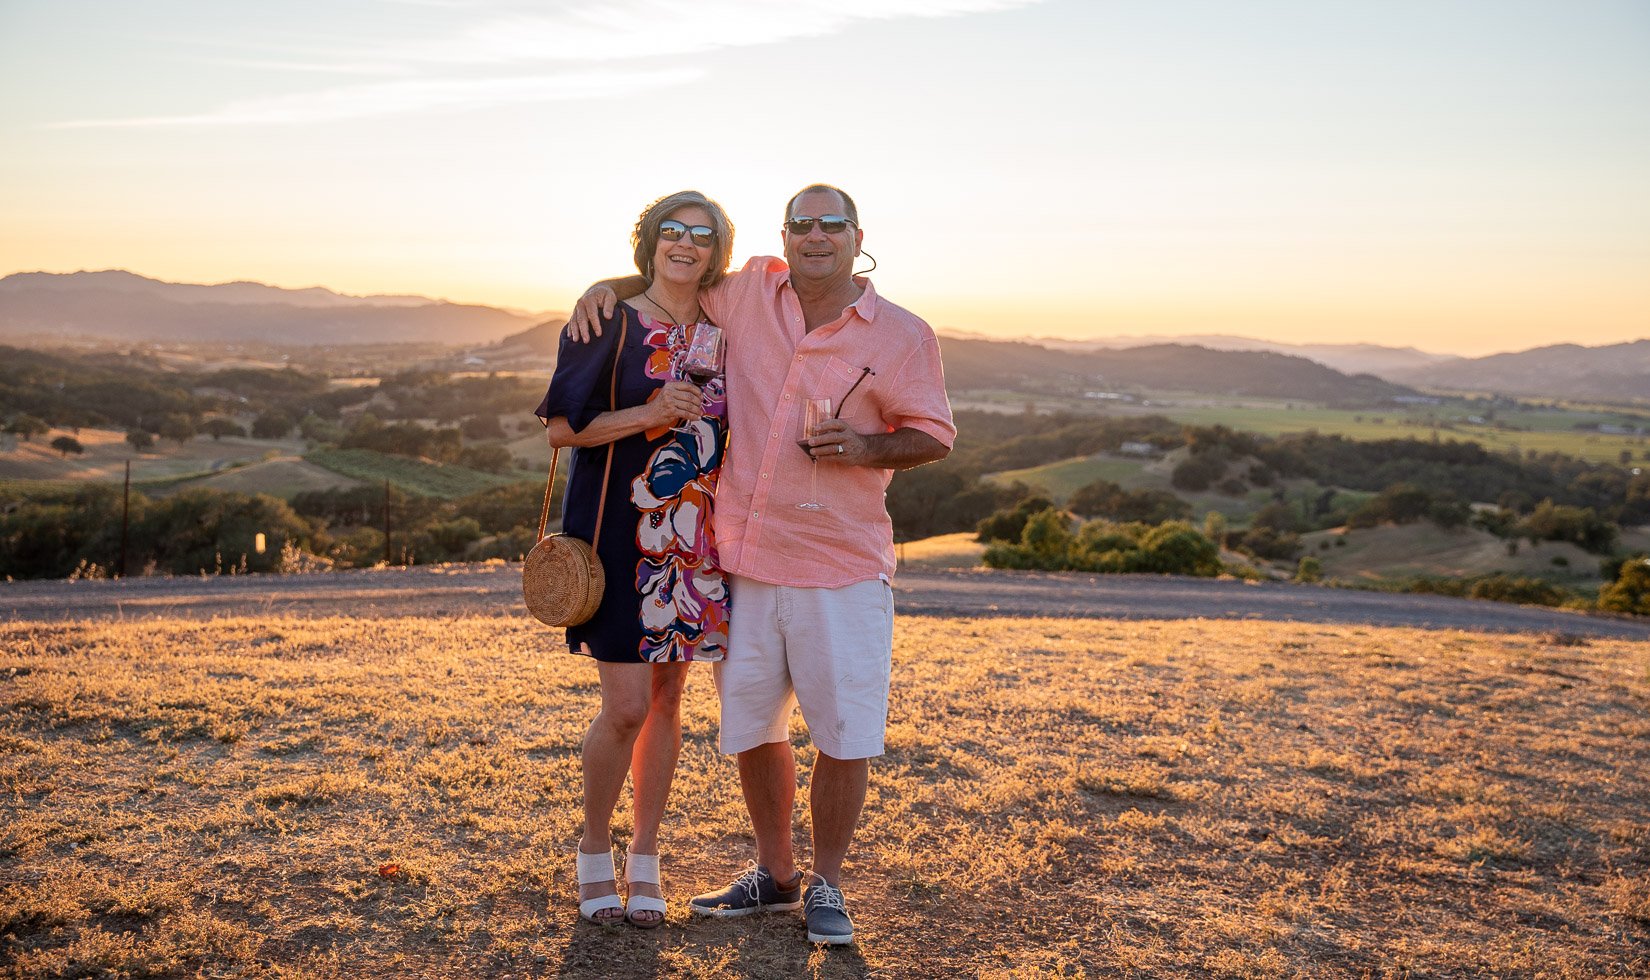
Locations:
(767, 774)
(836, 795)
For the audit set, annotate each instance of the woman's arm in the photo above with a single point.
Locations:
(676, 400)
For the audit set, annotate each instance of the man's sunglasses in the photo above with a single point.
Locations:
(830, 224)
(672, 230)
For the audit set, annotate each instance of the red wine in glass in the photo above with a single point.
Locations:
(702, 363)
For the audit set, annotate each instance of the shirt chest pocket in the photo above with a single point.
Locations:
(852, 390)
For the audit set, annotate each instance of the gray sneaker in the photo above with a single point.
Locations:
(827, 914)
(754, 891)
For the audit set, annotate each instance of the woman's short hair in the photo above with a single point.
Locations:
(645, 236)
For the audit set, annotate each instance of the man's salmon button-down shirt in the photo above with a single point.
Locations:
(773, 366)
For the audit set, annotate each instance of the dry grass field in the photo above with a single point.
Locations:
(344, 797)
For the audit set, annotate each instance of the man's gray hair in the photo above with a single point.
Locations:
(851, 212)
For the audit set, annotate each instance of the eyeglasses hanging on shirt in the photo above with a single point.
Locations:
(863, 374)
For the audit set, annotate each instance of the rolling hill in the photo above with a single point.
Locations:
(1612, 373)
(124, 306)
(975, 364)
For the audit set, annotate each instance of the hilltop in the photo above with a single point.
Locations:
(120, 305)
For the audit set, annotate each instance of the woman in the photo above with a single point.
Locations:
(665, 603)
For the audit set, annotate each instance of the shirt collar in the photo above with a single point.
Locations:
(865, 306)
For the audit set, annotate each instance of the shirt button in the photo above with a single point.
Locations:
(754, 514)
(799, 358)
(764, 476)
(787, 397)
(775, 435)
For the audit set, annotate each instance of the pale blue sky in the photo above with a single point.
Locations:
(1461, 175)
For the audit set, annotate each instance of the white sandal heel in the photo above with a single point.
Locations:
(594, 869)
(643, 868)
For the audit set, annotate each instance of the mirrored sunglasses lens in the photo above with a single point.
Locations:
(702, 236)
(671, 231)
(799, 226)
(833, 226)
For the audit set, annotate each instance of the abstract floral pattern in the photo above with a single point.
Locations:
(683, 590)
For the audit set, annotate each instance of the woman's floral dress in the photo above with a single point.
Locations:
(666, 597)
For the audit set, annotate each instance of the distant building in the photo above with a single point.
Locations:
(1416, 399)
(1621, 430)
(1138, 449)
(1111, 396)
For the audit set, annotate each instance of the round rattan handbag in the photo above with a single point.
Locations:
(562, 578)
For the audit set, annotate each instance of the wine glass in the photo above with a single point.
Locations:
(702, 362)
(815, 413)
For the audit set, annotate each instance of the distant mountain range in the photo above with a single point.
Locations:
(125, 306)
(972, 364)
(1348, 358)
(1612, 373)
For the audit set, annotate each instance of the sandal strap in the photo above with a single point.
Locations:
(595, 868)
(590, 906)
(641, 867)
(647, 903)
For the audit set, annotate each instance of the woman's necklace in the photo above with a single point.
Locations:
(669, 315)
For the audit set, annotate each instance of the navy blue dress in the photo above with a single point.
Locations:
(666, 597)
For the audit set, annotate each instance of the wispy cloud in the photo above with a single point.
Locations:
(603, 31)
(407, 97)
(516, 35)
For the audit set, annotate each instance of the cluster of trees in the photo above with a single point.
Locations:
(58, 533)
(54, 534)
(1048, 541)
(41, 390)
(952, 495)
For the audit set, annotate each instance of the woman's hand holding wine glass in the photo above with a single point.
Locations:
(702, 363)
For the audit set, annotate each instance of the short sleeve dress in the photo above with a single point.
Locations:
(666, 597)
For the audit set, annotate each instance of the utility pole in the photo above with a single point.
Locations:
(125, 519)
(386, 522)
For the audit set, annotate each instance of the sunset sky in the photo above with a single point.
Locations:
(1464, 176)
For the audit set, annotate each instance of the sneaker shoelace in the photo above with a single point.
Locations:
(827, 896)
(751, 882)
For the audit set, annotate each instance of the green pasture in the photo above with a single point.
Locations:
(1062, 478)
(24, 489)
(410, 475)
(1551, 430)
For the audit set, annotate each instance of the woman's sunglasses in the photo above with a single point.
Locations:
(672, 230)
(830, 224)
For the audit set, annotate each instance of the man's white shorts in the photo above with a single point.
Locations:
(827, 650)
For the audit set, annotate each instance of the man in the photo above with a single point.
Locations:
(812, 606)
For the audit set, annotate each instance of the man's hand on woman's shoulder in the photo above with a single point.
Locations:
(597, 304)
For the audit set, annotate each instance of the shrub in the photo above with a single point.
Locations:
(1008, 524)
(1271, 544)
(1173, 547)
(1525, 591)
(273, 424)
(1630, 592)
(27, 426)
(1562, 522)
(1103, 498)
(1176, 548)
(217, 428)
(1310, 569)
(1198, 471)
